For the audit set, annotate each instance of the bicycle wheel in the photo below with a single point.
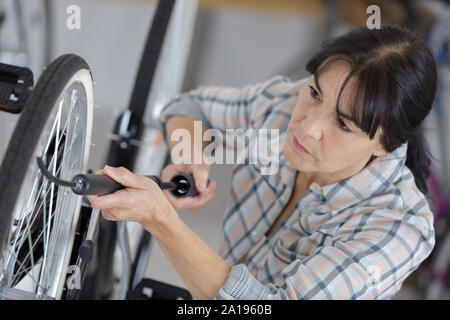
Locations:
(38, 219)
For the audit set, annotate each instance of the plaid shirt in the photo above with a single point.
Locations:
(359, 238)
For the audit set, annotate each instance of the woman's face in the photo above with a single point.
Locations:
(337, 149)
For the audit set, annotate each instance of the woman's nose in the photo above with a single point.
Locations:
(313, 124)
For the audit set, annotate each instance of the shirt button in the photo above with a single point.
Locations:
(315, 187)
(254, 234)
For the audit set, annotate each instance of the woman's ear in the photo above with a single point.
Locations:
(380, 152)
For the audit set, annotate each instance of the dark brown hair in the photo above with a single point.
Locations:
(396, 88)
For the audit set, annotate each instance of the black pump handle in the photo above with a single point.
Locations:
(181, 185)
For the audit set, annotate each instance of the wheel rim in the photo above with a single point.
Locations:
(45, 216)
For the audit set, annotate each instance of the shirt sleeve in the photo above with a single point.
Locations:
(369, 264)
(225, 108)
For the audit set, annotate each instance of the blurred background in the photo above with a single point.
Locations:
(232, 43)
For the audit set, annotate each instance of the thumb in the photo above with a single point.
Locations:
(200, 174)
(123, 176)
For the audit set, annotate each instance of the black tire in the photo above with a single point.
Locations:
(27, 133)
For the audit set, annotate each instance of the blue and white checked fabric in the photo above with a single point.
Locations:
(359, 238)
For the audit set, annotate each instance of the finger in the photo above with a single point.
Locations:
(168, 172)
(108, 214)
(173, 169)
(91, 198)
(207, 196)
(200, 174)
(112, 214)
(119, 199)
(211, 186)
(189, 203)
(211, 194)
(124, 176)
(182, 204)
(192, 202)
(200, 200)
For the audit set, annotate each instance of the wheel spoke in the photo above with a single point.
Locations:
(52, 191)
(27, 230)
(58, 140)
(48, 212)
(64, 132)
(22, 233)
(45, 215)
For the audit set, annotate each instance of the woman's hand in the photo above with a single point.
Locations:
(141, 201)
(200, 172)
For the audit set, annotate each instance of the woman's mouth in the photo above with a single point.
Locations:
(299, 147)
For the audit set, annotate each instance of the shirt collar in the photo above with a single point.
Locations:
(372, 180)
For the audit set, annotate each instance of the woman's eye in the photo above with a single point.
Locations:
(314, 94)
(343, 126)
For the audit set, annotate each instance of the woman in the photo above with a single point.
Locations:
(346, 215)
